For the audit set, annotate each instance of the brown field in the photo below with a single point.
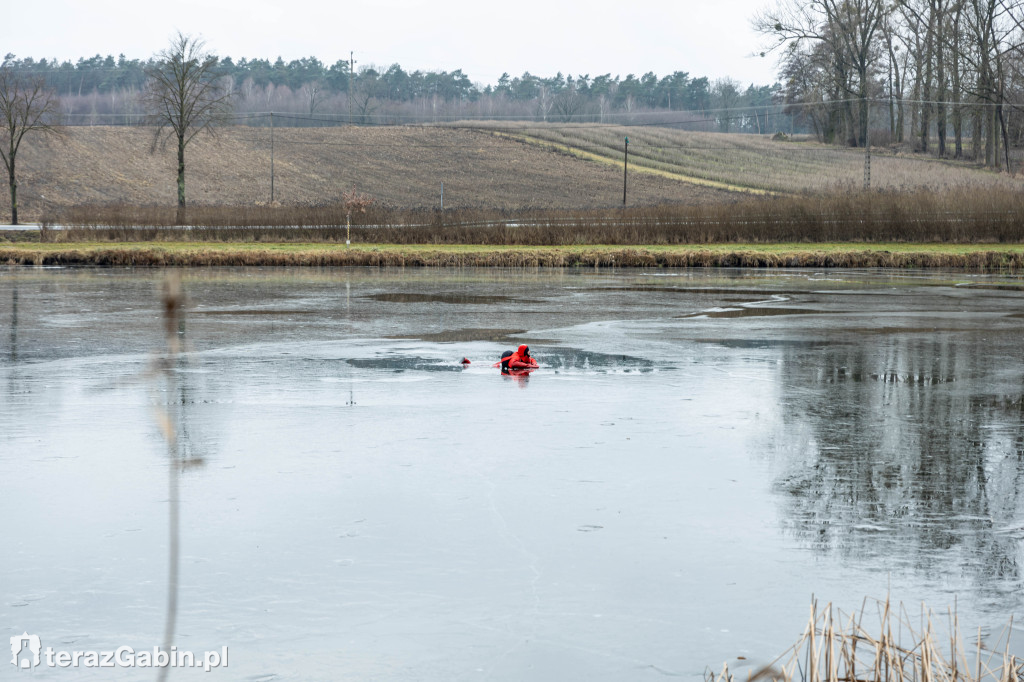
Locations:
(502, 167)
(398, 166)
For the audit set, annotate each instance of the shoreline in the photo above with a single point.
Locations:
(205, 254)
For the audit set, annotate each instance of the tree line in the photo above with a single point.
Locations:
(107, 90)
(939, 76)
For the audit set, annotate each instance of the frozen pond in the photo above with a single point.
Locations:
(700, 452)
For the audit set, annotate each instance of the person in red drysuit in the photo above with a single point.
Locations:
(521, 359)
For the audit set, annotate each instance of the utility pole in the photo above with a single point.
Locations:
(271, 157)
(625, 171)
(351, 66)
(867, 166)
(867, 149)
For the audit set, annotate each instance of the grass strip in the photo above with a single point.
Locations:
(984, 257)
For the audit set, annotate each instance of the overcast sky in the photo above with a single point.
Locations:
(703, 37)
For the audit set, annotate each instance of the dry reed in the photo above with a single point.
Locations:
(964, 216)
(839, 647)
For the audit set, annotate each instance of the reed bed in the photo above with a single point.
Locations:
(965, 216)
(896, 647)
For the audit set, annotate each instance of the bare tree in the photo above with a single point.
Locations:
(312, 95)
(851, 29)
(898, 65)
(26, 106)
(185, 96)
(725, 97)
(568, 103)
(956, 73)
(995, 27)
(810, 87)
(545, 100)
(933, 40)
(367, 93)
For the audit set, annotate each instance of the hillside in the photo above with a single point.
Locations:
(484, 165)
(398, 166)
(754, 163)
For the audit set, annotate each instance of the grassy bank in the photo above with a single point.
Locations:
(826, 255)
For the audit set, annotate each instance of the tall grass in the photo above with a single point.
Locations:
(964, 216)
(900, 647)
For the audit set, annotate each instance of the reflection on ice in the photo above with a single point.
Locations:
(908, 466)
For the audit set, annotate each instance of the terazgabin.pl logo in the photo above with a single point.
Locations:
(27, 652)
(28, 643)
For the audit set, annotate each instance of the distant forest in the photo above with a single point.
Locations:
(105, 90)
